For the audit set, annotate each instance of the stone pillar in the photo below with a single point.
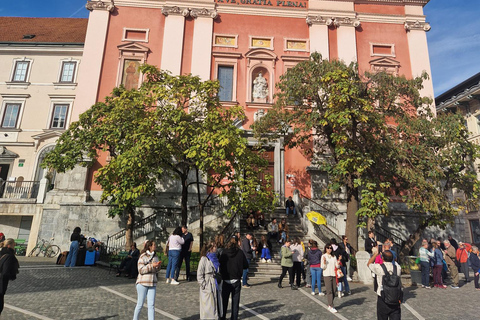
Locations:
(202, 42)
(418, 51)
(42, 190)
(364, 273)
(173, 34)
(318, 30)
(92, 59)
(346, 38)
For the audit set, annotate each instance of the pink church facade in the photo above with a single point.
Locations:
(238, 41)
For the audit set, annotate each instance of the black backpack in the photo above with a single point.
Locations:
(392, 293)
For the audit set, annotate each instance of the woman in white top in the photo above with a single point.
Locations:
(329, 263)
(174, 244)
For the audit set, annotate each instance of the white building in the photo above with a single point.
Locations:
(39, 63)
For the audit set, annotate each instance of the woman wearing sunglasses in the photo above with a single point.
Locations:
(329, 263)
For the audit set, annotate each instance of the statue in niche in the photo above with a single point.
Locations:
(260, 88)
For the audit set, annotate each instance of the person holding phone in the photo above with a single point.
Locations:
(148, 267)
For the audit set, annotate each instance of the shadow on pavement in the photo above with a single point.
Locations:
(295, 316)
(103, 318)
(357, 301)
(264, 306)
(409, 293)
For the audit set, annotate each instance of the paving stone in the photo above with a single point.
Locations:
(56, 292)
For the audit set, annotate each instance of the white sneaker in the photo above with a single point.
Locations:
(313, 293)
(263, 260)
(321, 294)
(332, 309)
(349, 279)
(269, 260)
(343, 294)
(174, 282)
(339, 294)
(168, 281)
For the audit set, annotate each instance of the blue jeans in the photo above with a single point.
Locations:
(345, 281)
(266, 254)
(72, 255)
(425, 272)
(290, 211)
(173, 256)
(149, 293)
(245, 274)
(316, 278)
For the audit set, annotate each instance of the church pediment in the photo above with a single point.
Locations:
(7, 154)
(46, 134)
(386, 64)
(133, 46)
(261, 54)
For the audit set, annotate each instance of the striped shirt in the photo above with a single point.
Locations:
(147, 274)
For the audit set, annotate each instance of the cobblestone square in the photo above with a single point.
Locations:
(46, 291)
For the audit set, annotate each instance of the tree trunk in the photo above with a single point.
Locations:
(351, 230)
(130, 224)
(184, 204)
(200, 208)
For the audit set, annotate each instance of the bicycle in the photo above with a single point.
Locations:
(49, 250)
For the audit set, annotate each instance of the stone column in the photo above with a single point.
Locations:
(318, 30)
(418, 50)
(364, 273)
(202, 42)
(173, 34)
(346, 38)
(92, 59)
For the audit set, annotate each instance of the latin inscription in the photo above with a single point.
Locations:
(271, 3)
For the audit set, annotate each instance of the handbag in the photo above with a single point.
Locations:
(339, 273)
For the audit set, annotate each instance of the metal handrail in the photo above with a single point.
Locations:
(384, 234)
(231, 226)
(321, 206)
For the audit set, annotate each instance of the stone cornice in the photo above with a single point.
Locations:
(100, 5)
(175, 11)
(203, 12)
(416, 25)
(334, 19)
(470, 93)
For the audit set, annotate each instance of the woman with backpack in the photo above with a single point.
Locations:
(437, 262)
(209, 279)
(8, 267)
(314, 256)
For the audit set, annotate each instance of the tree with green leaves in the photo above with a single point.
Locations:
(171, 127)
(355, 128)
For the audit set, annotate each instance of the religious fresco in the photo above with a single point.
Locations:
(261, 43)
(225, 41)
(296, 45)
(131, 74)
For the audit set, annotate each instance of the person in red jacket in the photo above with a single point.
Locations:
(462, 257)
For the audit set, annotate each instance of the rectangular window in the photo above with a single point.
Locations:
(59, 116)
(68, 71)
(225, 77)
(10, 116)
(20, 73)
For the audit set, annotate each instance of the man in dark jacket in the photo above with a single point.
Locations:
(248, 251)
(370, 242)
(475, 264)
(8, 267)
(232, 264)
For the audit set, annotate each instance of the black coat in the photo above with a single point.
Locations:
(9, 268)
(232, 263)
(369, 244)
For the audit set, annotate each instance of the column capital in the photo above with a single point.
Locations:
(416, 25)
(100, 5)
(176, 11)
(334, 21)
(203, 12)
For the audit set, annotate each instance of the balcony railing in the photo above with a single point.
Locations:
(19, 189)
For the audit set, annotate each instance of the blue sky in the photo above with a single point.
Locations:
(454, 41)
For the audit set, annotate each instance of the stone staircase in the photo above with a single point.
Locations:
(266, 272)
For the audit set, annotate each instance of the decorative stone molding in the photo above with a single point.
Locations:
(204, 12)
(176, 11)
(334, 21)
(417, 25)
(100, 5)
(316, 20)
